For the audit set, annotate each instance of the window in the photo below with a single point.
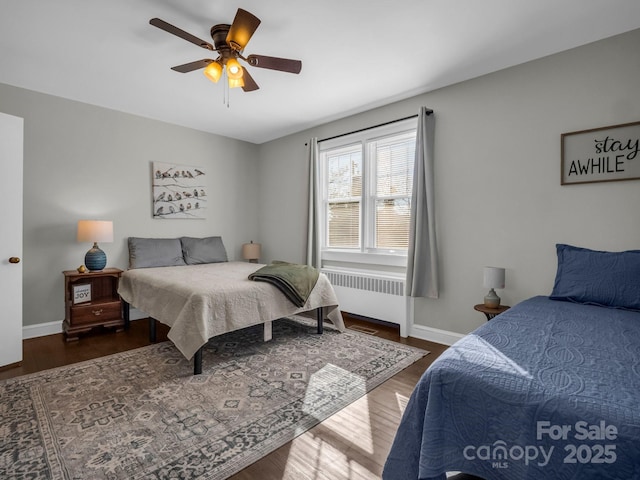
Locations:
(366, 181)
(344, 197)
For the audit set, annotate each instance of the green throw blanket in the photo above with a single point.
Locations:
(294, 280)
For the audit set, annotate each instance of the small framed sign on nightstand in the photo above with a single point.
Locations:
(81, 293)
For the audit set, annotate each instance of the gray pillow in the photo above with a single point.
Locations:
(154, 252)
(203, 250)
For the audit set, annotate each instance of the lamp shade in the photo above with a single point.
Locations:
(251, 251)
(234, 69)
(213, 71)
(95, 231)
(236, 82)
(493, 277)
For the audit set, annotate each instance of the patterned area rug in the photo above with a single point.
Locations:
(143, 415)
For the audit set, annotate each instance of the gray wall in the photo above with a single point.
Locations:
(82, 161)
(498, 195)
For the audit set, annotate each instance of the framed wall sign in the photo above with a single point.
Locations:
(82, 293)
(601, 155)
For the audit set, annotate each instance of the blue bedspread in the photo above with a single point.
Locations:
(547, 390)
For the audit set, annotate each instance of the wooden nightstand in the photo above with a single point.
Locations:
(490, 312)
(104, 309)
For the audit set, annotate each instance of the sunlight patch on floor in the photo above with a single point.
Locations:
(338, 448)
(316, 402)
(356, 429)
(328, 461)
(402, 402)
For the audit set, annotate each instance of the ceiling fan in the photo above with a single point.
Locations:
(229, 41)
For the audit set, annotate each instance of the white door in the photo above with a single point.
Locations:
(11, 140)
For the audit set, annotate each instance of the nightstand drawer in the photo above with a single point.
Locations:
(101, 312)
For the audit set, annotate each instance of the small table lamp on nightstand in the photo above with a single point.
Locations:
(95, 231)
(493, 278)
(251, 252)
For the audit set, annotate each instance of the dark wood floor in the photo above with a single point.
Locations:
(351, 445)
(51, 351)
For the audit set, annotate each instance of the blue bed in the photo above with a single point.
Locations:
(514, 399)
(550, 389)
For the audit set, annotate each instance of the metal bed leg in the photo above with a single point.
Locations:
(152, 330)
(126, 314)
(320, 317)
(267, 331)
(197, 362)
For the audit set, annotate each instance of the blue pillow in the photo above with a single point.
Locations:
(607, 279)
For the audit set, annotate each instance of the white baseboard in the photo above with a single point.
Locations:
(41, 330)
(51, 328)
(430, 334)
(435, 335)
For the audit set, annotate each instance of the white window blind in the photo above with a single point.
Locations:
(394, 158)
(344, 187)
(366, 181)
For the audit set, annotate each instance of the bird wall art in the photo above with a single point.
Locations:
(179, 191)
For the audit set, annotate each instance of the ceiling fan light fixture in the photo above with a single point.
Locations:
(213, 71)
(234, 70)
(229, 42)
(236, 82)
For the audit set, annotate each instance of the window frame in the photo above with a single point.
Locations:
(366, 253)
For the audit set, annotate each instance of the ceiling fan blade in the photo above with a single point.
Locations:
(242, 29)
(275, 63)
(249, 83)
(167, 27)
(191, 66)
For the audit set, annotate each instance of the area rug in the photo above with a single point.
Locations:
(142, 414)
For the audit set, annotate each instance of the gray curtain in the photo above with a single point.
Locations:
(422, 259)
(313, 230)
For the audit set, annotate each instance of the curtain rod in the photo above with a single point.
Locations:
(429, 112)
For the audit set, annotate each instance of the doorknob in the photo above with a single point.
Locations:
(14, 260)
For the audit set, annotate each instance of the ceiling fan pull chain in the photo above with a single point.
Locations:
(226, 88)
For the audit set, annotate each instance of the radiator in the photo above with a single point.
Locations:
(371, 295)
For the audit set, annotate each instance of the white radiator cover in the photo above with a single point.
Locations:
(375, 295)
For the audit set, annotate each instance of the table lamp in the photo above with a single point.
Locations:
(95, 231)
(251, 252)
(493, 278)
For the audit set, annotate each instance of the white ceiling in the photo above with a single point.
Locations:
(356, 54)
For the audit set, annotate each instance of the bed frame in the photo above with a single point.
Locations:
(197, 358)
